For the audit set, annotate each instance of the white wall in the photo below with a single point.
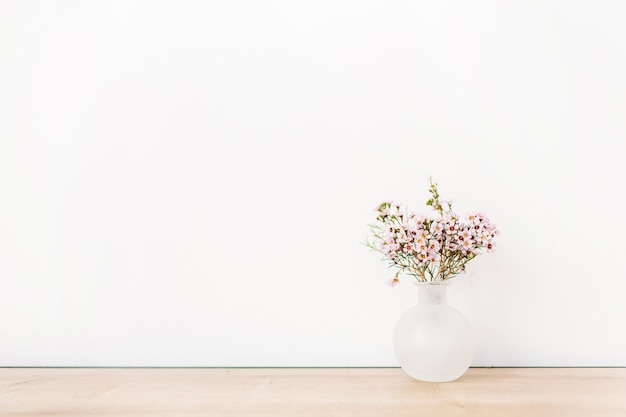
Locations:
(189, 183)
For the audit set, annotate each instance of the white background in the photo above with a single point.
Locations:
(189, 183)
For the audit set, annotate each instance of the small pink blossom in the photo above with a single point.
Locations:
(433, 257)
(434, 245)
(393, 281)
(465, 234)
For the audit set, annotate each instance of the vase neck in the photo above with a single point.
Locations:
(432, 294)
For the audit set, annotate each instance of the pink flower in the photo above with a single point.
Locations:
(433, 245)
(451, 245)
(421, 244)
(436, 229)
(473, 218)
(393, 281)
(465, 234)
(451, 225)
(433, 257)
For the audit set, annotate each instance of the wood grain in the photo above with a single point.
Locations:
(87, 392)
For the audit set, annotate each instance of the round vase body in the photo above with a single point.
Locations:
(433, 341)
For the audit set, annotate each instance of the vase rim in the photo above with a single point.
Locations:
(428, 283)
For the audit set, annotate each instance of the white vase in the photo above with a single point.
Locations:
(433, 341)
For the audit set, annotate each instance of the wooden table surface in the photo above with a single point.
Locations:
(319, 392)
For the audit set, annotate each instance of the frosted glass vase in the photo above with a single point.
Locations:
(433, 341)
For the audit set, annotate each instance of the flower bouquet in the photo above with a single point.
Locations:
(432, 340)
(431, 249)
